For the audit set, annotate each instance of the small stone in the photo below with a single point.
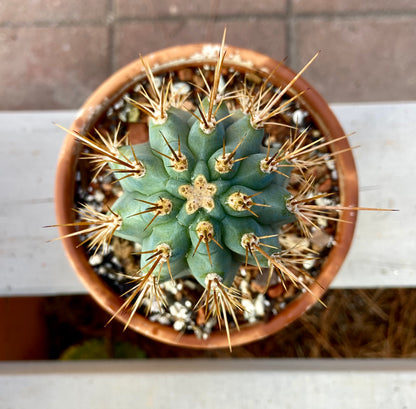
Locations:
(99, 196)
(188, 304)
(102, 270)
(249, 310)
(160, 318)
(259, 305)
(290, 291)
(325, 186)
(316, 133)
(299, 117)
(116, 261)
(292, 241)
(308, 264)
(210, 324)
(244, 287)
(317, 172)
(253, 78)
(179, 325)
(257, 287)
(197, 80)
(185, 74)
(138, 87)
(107, 187)
(133, 115)
(331, 164)
(189, 284)
(119, 104)
(200, 316)
(320, 240)
(95, 259)
(181, 88)
(170, 287)
(276, 290)
(259, 284)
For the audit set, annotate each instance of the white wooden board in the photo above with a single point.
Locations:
(383, 253)
(30, 145)
(189, 384)
(384, 248)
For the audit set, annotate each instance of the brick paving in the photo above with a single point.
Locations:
(53, 53)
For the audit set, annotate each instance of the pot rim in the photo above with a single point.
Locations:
(188, 56)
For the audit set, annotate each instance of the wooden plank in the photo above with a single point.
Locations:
(187, 384)
(382, 254)
(28, 264)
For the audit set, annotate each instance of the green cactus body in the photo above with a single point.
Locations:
(201, 197)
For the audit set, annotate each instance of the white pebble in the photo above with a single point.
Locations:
(259, 305)
(115, 261)
(181, 88)
(249, 310)
(96, 259)
(244, 287)
(119, 104)
(158, 82)
(179, 325)
(138, 87)
(188, 304)
(179, 311)
(308, 264)
(330, 164)
(170, 287)
(210, 324)
(190, 284)
(99, 196)
(102, 270)
(299, 116)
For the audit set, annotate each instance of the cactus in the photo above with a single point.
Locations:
(207, 192)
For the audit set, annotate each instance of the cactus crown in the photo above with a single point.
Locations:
(207, 192)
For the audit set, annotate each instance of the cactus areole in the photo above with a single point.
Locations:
(207, 191)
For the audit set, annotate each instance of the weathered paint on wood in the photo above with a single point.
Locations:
(188, 384)
(383, 253)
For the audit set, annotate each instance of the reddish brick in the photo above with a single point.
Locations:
(131, 8)
(342, 6)
(51, 68)
(52, 11)
(134, 38)
(362, 59)
(250, 7)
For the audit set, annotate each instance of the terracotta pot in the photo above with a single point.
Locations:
(191, 56)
